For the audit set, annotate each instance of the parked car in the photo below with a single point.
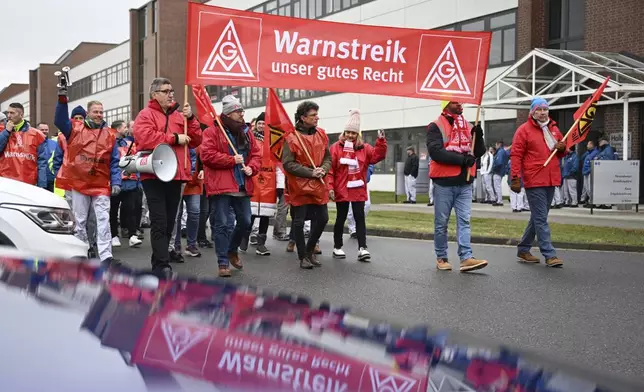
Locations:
(37, 221)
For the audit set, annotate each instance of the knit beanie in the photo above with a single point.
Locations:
(261, 117)
(230, 104)
(78, 110)
(353, 123)
(538, 102)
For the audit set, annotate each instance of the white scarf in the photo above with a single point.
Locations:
(547, 135)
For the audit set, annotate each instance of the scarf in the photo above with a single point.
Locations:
(236, 129)
(349, 158)
(460, 139)
(547, 135)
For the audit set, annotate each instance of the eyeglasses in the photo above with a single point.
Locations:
(168, 92)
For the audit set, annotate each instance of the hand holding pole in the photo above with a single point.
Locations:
(554, 152)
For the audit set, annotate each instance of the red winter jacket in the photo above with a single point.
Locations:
(153, 127)
(339, 173)
(219, 163)
(529, 152)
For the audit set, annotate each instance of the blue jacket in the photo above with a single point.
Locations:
(193, 160)
(607, 153)
(51, 151)
(64, 124)
(370, 170)
(58, 160)
(127, 185)
(592, 155)
(501, 159)
(570, 167)
(43, 158)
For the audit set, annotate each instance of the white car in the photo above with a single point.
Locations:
(37, 221)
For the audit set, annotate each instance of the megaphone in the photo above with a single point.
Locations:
(162, 162)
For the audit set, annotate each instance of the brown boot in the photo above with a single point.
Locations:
(554, 262)
(224, 272)
(317, 249)
(314, 260)
(472, 264)
(235, 261)
(290, 247)
(527, 257)
(305, 263)
(443, 265)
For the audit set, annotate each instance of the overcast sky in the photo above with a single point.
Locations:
(45, 29)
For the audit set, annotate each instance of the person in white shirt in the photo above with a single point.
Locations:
(487, 162)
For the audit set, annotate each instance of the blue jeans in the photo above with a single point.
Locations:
(192, 223)
(460, 199)
(227, 240)
(539, 200)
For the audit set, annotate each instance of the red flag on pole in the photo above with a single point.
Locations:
(585, 114)
(278, 126)
(205, 111)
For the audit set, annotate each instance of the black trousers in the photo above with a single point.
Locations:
(163, 203)
(126, 201)
(319, 216)
(138, 207)
(341, 217)
(204, 214)
(263, 225)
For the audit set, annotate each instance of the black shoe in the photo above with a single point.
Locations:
(145, 225)
(516, 211)
(412, 202)
(176, 257)
(574, 206)
(431, 204)
(184, 234)
(162, 271)
(206, 244)
(115, 264)
(406, 202)
(354, 235)
(497, 204)
(262, 250)
(140, 234)
(244, 244)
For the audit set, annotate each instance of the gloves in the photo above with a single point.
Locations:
(477, 131)
(332, 195)
(515, 184)
(560, 146)
(62, 91)
(469, 160)
(116, 190)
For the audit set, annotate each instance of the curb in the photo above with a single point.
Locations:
(413, 235)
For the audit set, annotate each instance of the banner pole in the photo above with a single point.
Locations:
(230, 143)
(478, 114)
(554, 152)
(299, 139)
(185, 127)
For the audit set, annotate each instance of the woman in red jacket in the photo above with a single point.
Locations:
(347, 181)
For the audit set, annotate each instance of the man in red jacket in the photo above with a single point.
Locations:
(533, 143)
(161, 122)
(228, 180)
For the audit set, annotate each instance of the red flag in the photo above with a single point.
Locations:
(586, 115)
(278, 126)
(205, 111)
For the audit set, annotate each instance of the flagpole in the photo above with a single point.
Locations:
(185, 127)
(299, 139)
(554, 152)
(230, 143)
(478, 113)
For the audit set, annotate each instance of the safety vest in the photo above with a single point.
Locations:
(19, 160)
(442, 170)
(264, 199)
(123, 151)
(303, 190)
(86, 165)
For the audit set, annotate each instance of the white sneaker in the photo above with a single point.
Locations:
(135, 241)
(339, 254)
(116, 242)
(364, 255)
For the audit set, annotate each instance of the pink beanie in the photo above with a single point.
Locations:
(353, 124)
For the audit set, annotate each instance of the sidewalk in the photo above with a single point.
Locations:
(576, 216)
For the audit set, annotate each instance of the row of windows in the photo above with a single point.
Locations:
(502, 48)
(308, 9)
(121, 113)
(111, 77)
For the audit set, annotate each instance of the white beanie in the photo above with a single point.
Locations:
(353, 123)
(2, 117)
(230, 104)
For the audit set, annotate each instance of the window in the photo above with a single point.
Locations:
(120, 113)
(143, 22)
(114, 76)
(155, 16)
(566, 24)
(500, 130)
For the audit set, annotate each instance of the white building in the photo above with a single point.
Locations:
(22, 98)
(404, 119)
(104, 78)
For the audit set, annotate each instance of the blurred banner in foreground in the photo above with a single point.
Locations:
(80, 327)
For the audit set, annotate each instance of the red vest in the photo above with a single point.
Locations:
(264, 199)
(123, 152)
(302, 190)
(86, 165)
(441, 170)
(19, 160)
(195, 185)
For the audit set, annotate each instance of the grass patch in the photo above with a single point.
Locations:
(501, 228)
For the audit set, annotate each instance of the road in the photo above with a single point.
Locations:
(590, 312)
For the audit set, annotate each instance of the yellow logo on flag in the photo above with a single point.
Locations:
(276, 142)
(587, 118)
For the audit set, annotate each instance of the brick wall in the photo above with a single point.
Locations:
(614, 26)
(614, 120)
(46, 95)
(172, 44)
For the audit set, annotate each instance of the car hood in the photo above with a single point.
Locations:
(18, 192)
(75, 326)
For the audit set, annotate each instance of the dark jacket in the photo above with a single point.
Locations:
(570, 165)
(297, 169)
(501, 159)
(607, 153)
(411, 165)
(437, 152)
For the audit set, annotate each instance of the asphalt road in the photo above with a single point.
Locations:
(589, 312)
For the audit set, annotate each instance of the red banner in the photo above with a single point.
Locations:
(586, 115)
(240, 48)
(205, 111)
